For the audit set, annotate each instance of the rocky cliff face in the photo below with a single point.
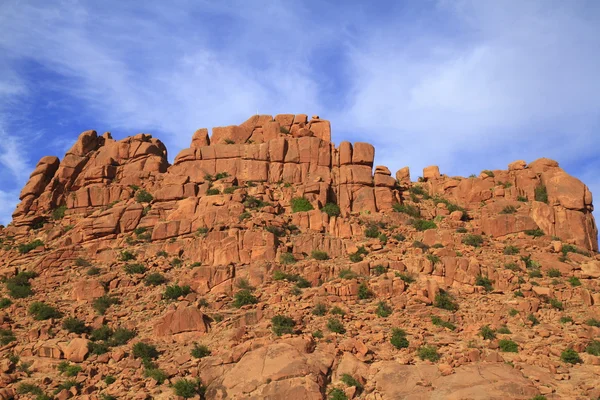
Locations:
(272, 203)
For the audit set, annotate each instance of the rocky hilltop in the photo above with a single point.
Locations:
(266, 262)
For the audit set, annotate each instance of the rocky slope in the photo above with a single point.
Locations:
(267, 263)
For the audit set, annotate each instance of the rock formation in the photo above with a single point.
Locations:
(266, 262)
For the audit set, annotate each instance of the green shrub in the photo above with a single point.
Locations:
(320, 309)
(379, 270)
(120, 337)
(356, 257)
(399, 237)
(155, 279)
(539, 397)
(188, 388)
(473, 240)
(487, 333)
(485, 282)
(221, 175)
(407, 209)
(554, 273)
(511, 250)
(406, 277)
(68, 369)
(347, 274)
(42, 311)
(109, 379)
(59, 212)
(67, 385)
(523, 199)
(82, 262)
(98, 348)
(92, 271)
(574, 281)
(541, 194)
(512, 266)
(503, 330)
(29, 388)
(423, 225)
(157, 374)
(337, 394)
(26, 248)
(144, 351)
(534, 232)
(532, 318)
(173, 292)
(74, 325)
(176, 262)
(570, 356)
(383, 310)
(134, 269)
(213, 192)
(101, 304)
(508, 346)
(488, 173)
(593, 322)
(200, 351)
(320, 255)
(126, 255)
(428, 353)
(518, 293)
(318, 334)
(287, 258)
(281, 324)
(244, 297)
(512, 312)
(398, 339)
(300, 204)
(335, 325)
(243, 283)
(535, 273)
(372, 231)
(509, 210)
(331, 209)
(433, 258)
(142, 196)
(593, 348)
(556, 304)
(102, 333)
(337, 311)
(420, 245)
(349, 380)
(5, 302)
(19, 286)
(363, 291)
(440, 322)
(445, 301)
(254, 203)
(565, 319)
(6, 336)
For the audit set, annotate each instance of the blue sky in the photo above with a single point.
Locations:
(466, 85)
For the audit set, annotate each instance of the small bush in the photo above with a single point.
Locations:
(213, 192)
(574, 281)
(533, 319)
(144, 351)
(101, 304)
(508, 346)
(82, 262)
(134, 269)
(512, 312)
(42, 311)
(363, 291)
(383, 310)
(379, 270)
(407, 209)
(503, 330)
(98, 348)
(109, 379)
(320, 309)
(570, 356)
(331, 209)
(488, 173)
(287, 258)
(6, 336)
(337, 394)
(534, 232)
(511, 250)
(244, 297)
(19, 286)
(509, 210)
(433, 258)
(59, 212)
(428, 353)
(74, 325)
(281, 324)
(398, 339)
(349, 380)
(187, 388)
(67, 385)
(157, 374)
(26, 248)
(335, 325)
(420, 245)
(5, 302)
(337, 311)
(92, 271)
(372, 231)
(593, 322)
(320, 255)
(440, 322)
(317, 334)
(554, 273)
(556, 304)
(29, 388)
(485, 282)
(126, 255)
(564, 320)
(522, 199)
(541, 194)
(487, 333)
(120, 337)
(423, 225)
(593, 348)
(142, 196)
(347, 274)
(399, 237)
(176, 262)
(173, 292)
(445, 301)
(200, 351)
(68, 369)
(407, 278)
(473, 240)
(300, 204)
(221, 175)
(155, 279)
